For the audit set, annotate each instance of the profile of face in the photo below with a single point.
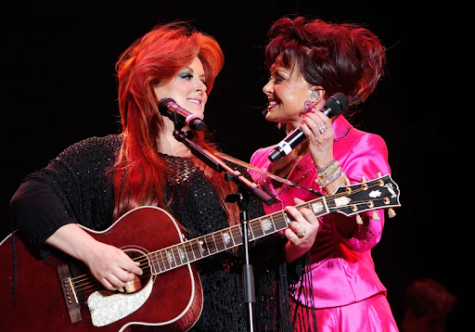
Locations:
(287, 90)
(187, 88)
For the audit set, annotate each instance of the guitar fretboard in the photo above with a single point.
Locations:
(198, 248)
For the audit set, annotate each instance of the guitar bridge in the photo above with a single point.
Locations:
(69, 293)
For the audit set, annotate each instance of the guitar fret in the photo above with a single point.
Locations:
(216, 243)
(167, 260)
(273, 222)
(152, 262)
(237, 235)
(162, 260)
(257, 229)
(231, 235)
(224, 240)
(174, 254)
(158, 262)
(210, 244)
(282, 221)
(285, 218)
(250, 231)
(267, 225)
(202, 245)
(189, 252)
(182, 253)
(318, 207)
(196, 248)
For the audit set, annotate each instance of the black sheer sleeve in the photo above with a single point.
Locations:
(38, 212)
(75, 187)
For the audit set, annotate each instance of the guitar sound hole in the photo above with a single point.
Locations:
(140, 281)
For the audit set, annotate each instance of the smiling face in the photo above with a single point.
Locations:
(287, 91)
(187, 88)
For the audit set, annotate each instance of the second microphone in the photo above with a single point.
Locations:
(333, 106)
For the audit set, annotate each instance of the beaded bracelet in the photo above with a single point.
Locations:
(328, 174)
(324, 181)
(327, 168)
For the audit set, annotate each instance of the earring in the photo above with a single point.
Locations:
(309, 103)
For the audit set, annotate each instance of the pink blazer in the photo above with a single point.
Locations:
(342, 269)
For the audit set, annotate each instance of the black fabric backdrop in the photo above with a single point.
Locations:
(59, 85)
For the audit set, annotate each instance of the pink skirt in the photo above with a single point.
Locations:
(371, 315)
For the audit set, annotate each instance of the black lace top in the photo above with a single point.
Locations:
(75, 187)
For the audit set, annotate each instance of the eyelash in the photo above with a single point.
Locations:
(190, 76)
(186, 76)
(276, 78)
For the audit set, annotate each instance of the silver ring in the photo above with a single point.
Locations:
(322, 129)
(302, 234)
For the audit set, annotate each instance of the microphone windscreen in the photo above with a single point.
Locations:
(163, 105)
(335, 104)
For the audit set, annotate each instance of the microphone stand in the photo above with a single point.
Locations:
(246, 188)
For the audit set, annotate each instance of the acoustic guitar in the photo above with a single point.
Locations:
(43, 295)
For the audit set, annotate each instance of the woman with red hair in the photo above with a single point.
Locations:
(98, 181)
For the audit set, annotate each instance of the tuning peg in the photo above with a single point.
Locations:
(375, 216)
(391, 213)
(364, 186)
(359, 220)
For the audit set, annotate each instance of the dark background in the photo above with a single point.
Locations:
(59, 85)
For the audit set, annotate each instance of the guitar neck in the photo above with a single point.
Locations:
(349, 200)
(201, 247)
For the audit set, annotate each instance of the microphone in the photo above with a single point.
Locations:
(334, 105)
(169, 108)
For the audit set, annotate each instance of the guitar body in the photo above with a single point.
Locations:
(173, 299)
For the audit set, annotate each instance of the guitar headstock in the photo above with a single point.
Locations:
(380, 193)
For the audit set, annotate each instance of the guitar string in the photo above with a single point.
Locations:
(86, 281)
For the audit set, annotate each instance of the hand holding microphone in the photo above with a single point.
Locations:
(169, 108)
(333, 106)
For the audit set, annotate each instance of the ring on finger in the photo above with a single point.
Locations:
(302, 233)
(322, 129)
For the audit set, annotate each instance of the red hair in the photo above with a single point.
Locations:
(153, 59)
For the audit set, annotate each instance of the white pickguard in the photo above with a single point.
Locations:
(106, 308)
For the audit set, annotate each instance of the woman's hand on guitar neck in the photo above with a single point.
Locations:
(109, 265)
(301, 231)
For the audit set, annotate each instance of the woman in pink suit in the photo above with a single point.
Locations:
(310, 61)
